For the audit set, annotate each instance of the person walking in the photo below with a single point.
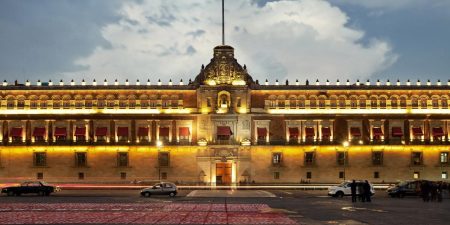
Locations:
(367, 191)
(361, 194)
(353, 189)
(424, 189)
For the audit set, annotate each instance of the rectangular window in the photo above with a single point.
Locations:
(309, 158)
(276, 175)
(377, 158)
(341, 174)
(443, 158)
(164, 176)
(308, 175)
(416, 175)
(80, 176)
(40, 176)
(238, 102)
(376, 174)
(80, 159)
(208, 102)
(444, 175)
(164, 159)
(341, 158)
(276, 158)
(122, 159)
(40, 159)
(123, 175)
(416, 158)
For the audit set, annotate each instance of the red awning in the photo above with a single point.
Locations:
(397, 132)
(417, 131)
(438, 132)
(60, 132)
(355, 131)
(293, 131)
(164, 131)
(16, 132)
(262, 132)
(80, 131)
(142, 131)
(39, 132)
(184, 131)
(309, 132)
(122, 131)
(101, 131)
(377, 131)
(224, 131)
(326, 131)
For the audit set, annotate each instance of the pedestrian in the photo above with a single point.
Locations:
(424, 190)
(353, 189)
(362, 197)
(439, 191)
(433, 191)
(367, 191)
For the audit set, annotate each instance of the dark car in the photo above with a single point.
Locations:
(163, 188)
(405, 188)
(30, 187)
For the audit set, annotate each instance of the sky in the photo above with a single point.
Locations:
(157, 39)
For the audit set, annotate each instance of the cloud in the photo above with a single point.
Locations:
(285, 39)
(394, 4)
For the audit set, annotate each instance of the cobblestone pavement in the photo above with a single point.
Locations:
(140, 213)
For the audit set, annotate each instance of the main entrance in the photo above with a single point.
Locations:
(223, 173)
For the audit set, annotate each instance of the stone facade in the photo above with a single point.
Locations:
(224, 128)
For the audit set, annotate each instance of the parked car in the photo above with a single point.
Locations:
(344, 189)
(405, 188)
(30, 187)
(162, 188)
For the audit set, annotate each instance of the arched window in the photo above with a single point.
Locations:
(362, 102)
(301, 102)
(322, 102)
(403, 102)
(435, 102)
(414, 102)
(383, 102)
(342, 103)
(353, 102)
(312, 102)
(444, 102)
(423, 102)
(394, 102)
(292, 102)
(373, 102)
(333, 102)
(281, 101)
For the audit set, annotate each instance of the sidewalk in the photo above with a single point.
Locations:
(97, 186)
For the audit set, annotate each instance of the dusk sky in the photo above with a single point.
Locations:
(157, 39)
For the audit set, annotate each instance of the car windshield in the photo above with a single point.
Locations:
(343, 184)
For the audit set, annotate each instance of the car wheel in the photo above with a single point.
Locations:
(172, 194)
(147, 194)
(339, 194)
(10, 193)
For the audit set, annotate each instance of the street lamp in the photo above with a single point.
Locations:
(345, 144)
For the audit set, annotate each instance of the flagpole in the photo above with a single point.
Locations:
(223, 22)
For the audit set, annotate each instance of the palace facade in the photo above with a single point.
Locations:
(224, 128)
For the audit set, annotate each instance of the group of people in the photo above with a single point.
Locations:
(432, 191)
(361, 190)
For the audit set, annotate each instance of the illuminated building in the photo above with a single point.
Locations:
(224, 128)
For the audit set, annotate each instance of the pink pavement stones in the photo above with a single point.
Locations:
(139, 213)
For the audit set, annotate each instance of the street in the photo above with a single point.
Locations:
(217, 207)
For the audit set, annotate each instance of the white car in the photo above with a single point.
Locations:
(344, 189)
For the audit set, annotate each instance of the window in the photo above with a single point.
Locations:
(164, 176)
(416, 175)
(238, 102)
(444, 175)
(164, 159)
(309, 158)
(39, 176)
(416, 158)
(308, 175)
(276, 175)
(276, 158)
(376, 174)
(341, 158)
(123, 175)
(443, 158)
(341, 174)
(122, 159)
(208, 102)
(377, 158)
(80, 176)
(80, 159)
(40, 159)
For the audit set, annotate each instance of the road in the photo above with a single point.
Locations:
(219, 207)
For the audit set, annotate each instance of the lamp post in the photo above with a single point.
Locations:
(345, 144)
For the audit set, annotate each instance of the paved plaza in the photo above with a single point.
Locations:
(218, 207)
